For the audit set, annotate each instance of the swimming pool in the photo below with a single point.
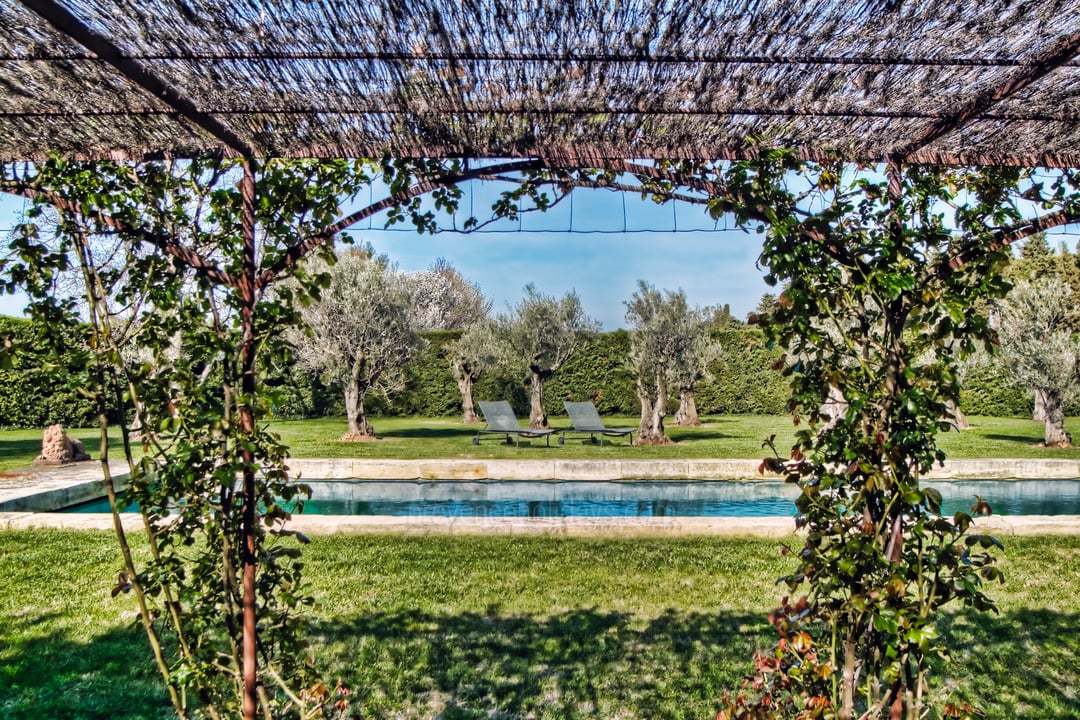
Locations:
(624, 498)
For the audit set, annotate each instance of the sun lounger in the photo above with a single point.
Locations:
(501, 420)
(586, 422)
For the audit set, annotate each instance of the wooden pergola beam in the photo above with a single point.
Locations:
(63, 20)
(1057, 55)
(568, 57)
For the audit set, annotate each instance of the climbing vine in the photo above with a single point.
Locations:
(884, 278)
(177, 267)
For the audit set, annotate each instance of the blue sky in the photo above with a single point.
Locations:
(576, 246)
(599, 246)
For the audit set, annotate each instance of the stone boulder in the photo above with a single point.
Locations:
(57, 448)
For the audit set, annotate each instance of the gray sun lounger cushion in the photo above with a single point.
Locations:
(501, 420)
(586, 422)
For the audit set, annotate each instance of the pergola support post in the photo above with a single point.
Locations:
(249, 550)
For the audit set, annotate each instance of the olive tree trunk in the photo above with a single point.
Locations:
(1039, 413)
(687, 414)
(1054, 434)
(538, 418)
(359, 427)
(653, 410)
(468, 406)
(834, 408)
(956, 415)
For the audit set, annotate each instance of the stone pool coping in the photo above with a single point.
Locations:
(765, 527)
(675, 469)
(27, 496)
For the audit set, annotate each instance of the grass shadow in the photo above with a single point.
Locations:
(112, 676)
(581, 663)
(679, 434)
(30, 446)
(431, 433)
(588, 663)
(1027, 439)
(1021, 664)
(572, 664)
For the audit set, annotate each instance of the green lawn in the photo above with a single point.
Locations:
(732, 436)
(18, 448)
(507, 627)
(503, 627)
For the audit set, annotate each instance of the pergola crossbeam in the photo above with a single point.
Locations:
(605, 79)
(553, 58)
(1043, 64)
(64, 21)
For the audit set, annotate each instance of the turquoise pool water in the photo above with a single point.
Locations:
(493, 498)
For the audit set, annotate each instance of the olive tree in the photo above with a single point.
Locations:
(693, 367)
(443, 299)
(543, 332)
(479, 349)
(360, 333)
(664, 331)
(1039, 350)
(1037, 261)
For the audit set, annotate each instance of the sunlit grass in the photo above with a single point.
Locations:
(728, 436)
(482, 627)
(18, 448)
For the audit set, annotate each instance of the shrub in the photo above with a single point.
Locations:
(42, 386)
(743, 381)
(430, 388)
(988, 391)
(598, 371)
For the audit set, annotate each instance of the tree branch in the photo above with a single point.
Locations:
(167, 245)
(302, 249)
(1004, 237)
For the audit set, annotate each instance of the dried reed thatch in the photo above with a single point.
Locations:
(988, 82)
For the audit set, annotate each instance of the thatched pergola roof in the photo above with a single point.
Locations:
(569, 81)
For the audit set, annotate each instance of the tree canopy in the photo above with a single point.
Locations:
(1040, 350)
(667, 339)
(361, 330)
(543, 332)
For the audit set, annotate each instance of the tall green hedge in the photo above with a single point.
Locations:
(430, 388)
(598, 371)
(296, 393)
(34, 393)
(989, 391)
(743, 381)
(41, 387)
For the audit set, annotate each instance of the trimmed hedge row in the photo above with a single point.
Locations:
(741, 382)
(987, 391)
(41, 387)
